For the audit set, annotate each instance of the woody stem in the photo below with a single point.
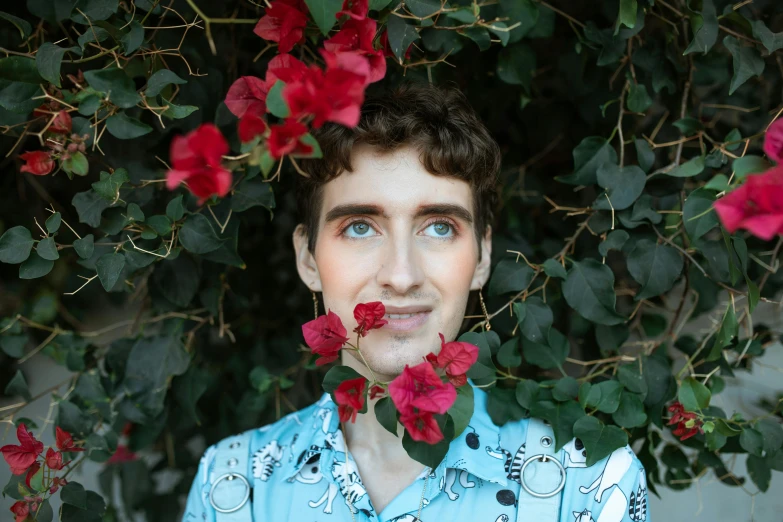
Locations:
(374, 379)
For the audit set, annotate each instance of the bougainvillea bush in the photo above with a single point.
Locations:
(150, 149)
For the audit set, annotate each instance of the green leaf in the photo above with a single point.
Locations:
(84, 246)
(759, 471)
(94, 511)
(693, 395)
(15, 245)
(47, 249)
(623, 186)
(48, 59)
(18, 96)
(19, 69)
(554, 269)
(562, 416)
(336, 375)
(175, 209)
(160, 80)
(718, 182)
(151, 362)
(23, 26)
(550, 355)
(502, 408)
(705, 29)
(124, 127)
(638, 99)
(599, 440)
(589, 290)
(53, 222)
(690, 168)
(133, 38)
(386, 413)
(34, 267)
(566, 389)
(630, 413)
(508, 355)
(727, 331)
(275, 102)
(462, 410)
(188, 389)
(604, 396)
(697, 214)
(14, 345)
(626, 16)
(377, 5)
(18, 386)
(614, 241)
(747, 62)
(424, 8)
(534, 318)
(324, 13)
(253, 193)
(109, 266)
(589, 155)
(655, 266)
(772, 433)
(510, 276)
(610, 338)
(96, 34)
(748, 165)
(76, 164)
(178, 279)
(116, 84)
(644, 154)
(400, 34)
(94, 10)
(109, 185)
(479, 35)
(772, 41)
(90, 105)
(74, 494)
(522, 12)
(752, 441)
(177, 112)
(689, 126)
(430, 454)
(198, 236)
(499, 30)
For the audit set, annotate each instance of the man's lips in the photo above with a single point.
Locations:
(409, 321)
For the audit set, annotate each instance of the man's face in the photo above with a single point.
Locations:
(392, 232)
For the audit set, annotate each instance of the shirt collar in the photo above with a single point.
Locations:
(321, 433)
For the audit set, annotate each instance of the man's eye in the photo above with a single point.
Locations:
(442, 229)
(358, 229)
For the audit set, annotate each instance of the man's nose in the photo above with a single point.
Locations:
(401, 269)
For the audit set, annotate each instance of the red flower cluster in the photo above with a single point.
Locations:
(196, 159)
(37, 162)
(680, 418)
(419, 393)
(773, 141)
(325, 336)
(369, 316)
(284, 23)
(456, 358)
(350, 397)
(40, 162)
(757, 205)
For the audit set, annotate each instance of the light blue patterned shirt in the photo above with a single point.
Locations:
(298, 472)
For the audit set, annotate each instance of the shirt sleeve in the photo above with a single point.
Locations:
(612, 490)
(197, 506)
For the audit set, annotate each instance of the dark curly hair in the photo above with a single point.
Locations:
(438, 121)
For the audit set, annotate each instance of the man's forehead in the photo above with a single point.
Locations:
(395, 181)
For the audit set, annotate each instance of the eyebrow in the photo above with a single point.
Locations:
(448, 209)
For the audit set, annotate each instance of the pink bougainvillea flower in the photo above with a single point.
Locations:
(369, 316)
(122, 454)
(756, 206)
(21, 457)
(325, 336)
(196, 159)
(251, 126)
(247, 94)
(284, 22)
(286, 68)
(422, 426)
(64, 441)
(376, 391)
(21, 510)
(356, 36)
(773, 141)
(456, 357)
(286, 139)
(680, 417)
(54, 459)
(356, 9)
(31, 472)
(334, 95)
(420, 387)
(350, 397)
(56, 483)
(62, 123)
(37, 162)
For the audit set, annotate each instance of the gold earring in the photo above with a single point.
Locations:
(487, 326)
(315, 304)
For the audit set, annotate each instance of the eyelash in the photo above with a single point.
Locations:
(433, 222)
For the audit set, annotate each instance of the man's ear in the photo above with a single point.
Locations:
(481, 274)
(305, 261)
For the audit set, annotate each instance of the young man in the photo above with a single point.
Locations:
(399, 211)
